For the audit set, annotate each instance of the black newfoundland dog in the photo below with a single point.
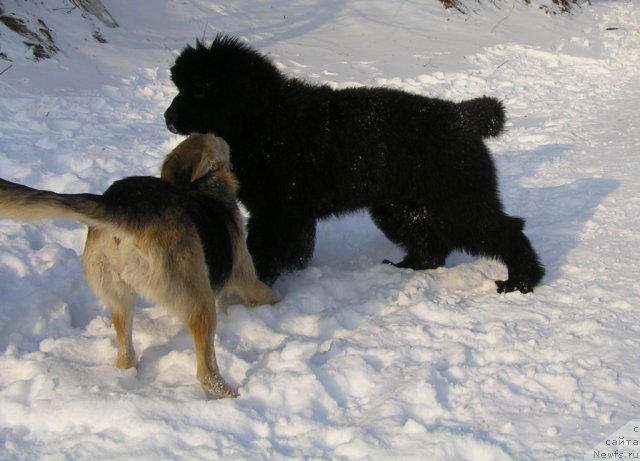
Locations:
(304, 152)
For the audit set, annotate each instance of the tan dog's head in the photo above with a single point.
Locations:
(196, 157)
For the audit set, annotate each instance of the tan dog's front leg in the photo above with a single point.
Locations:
(257, 293)
(245, 280)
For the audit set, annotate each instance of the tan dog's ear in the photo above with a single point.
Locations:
(214, 158)
(206, 165)
(199, 154)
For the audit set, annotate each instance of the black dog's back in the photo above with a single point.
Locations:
(354, 148)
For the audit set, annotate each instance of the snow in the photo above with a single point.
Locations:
(359, 360)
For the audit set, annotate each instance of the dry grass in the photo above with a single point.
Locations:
(562, 6)
(40, 40)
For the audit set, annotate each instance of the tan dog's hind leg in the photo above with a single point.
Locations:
(202, 325)
(100, 262)
(122, 318)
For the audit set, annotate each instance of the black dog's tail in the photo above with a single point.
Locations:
(485, 116)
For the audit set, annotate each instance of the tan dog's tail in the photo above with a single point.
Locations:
(26, 204)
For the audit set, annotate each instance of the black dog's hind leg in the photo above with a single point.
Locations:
(409, 226)
(525, 269)
(280, 244)
(491, 233)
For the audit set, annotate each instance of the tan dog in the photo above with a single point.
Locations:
(177, 241)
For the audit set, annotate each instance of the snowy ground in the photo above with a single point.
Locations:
(359, 360)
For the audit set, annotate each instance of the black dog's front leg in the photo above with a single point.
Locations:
(280, 244)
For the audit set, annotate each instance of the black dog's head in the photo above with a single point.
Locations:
(223, 87)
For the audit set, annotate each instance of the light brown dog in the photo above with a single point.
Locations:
(177, 241)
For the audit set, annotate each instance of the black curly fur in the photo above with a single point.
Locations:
(303, 152)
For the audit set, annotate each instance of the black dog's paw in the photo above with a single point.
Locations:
(391, 263)
(401, 265)
(416, 265)
(508, 286)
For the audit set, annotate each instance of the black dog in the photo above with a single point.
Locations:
(304, 152)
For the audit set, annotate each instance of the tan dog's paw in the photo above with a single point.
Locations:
(260, 295)
(216, 387)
